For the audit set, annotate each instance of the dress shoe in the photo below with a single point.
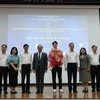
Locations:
(84, 90)
(60, 90)
(75, 91)
(23, 91)
(13, 92)
(41, 91)
(54, 90)
(28, 92)
(37, 92)
(98, 90)
(5, 92)
(70, 91)
(93, 90)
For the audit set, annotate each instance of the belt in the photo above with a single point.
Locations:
(72, 62)
(26, 64)
(95, 65)
(3, 66)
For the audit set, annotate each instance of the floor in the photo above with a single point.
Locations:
(49, 94)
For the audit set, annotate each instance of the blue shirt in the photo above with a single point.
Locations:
(14, 59)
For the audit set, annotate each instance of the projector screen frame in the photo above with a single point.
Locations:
(52, 2)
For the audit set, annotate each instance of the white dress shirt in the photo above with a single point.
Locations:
(94, 58)
(71, 57)
(3, 60)
(40, 54)
(26, 58)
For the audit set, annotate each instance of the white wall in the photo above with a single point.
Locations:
(93, 27)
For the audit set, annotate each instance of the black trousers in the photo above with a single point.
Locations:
(3, 74)
(13, 76)
(99, 77)
(39, 80)
(25, 72)
(57, 70)
(95, 74)
(72, 72)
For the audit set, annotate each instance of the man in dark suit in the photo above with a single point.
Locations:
(40, 63)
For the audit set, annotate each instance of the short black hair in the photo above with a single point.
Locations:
(25, 45)
(4, 45)
(39, 45)
(13, 49)
(71, 43)
(54, 42)
(94, 46)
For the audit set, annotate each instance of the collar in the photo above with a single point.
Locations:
(26, 53)
(40, 52)
(94, 53)
(55, 48)
(3, 53)
(71, 51)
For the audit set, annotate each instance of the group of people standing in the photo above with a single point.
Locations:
(88, 66)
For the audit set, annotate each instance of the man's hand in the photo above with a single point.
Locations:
(88, 69)
(45, 71)
(20, 71)
(79, 69)
(65, 69)
(33, 71)
(50, 69)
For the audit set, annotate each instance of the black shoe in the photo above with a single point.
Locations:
(13, 92)
(37, 92)
(70, 91)
(23, 91)
(41, 91)
(84, 90)
(5, 92)
(93, 90)
(98, 90)
(28, 92)
(75, 91)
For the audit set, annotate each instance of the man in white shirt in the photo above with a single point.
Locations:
(71, 62)
(26, 63)
(3, 68)
(95, 68)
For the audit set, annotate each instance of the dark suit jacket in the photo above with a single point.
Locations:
(43, 62)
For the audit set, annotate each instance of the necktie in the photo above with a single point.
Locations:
(39, 55)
